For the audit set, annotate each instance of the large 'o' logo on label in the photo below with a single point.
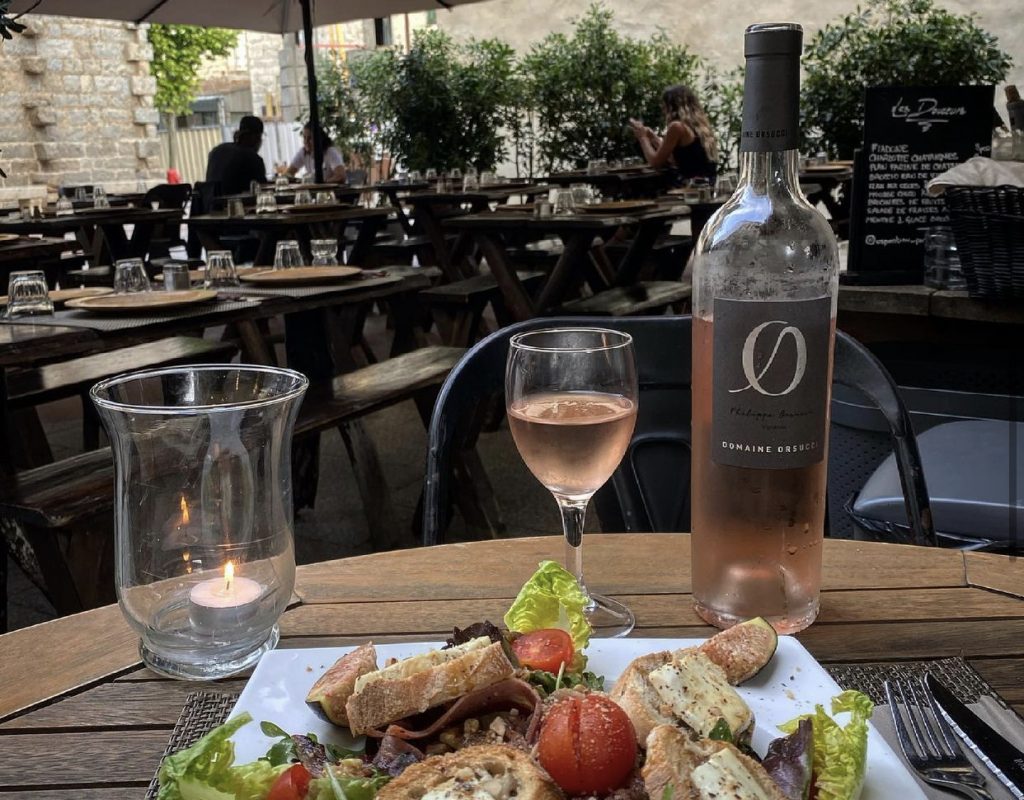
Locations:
(749, 370)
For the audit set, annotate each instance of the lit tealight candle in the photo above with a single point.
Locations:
(217, 605)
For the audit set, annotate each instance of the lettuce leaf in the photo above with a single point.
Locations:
(840, 753)
(551, 598)
(206, 770)
(344, 787)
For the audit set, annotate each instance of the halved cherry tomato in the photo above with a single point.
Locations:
(292, 784)
(545, 649)
(587, 745)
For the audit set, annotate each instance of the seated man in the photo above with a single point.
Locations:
(234, 165)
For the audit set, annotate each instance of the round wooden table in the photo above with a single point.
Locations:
(77, 709)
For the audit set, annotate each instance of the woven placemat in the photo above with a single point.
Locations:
(955, 673)
(203, 712)
(83, 319)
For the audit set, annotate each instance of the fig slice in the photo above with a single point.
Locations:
(742, 650)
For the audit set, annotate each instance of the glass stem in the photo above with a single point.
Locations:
(574, 513)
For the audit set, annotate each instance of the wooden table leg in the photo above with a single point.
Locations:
(367, 235)
(569, 269)
(639, 251)
(517, 300)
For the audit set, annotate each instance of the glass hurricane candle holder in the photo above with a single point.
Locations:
(203, 510)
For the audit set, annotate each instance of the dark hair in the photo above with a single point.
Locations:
(321, 134)
(250, 124)
(682, 105)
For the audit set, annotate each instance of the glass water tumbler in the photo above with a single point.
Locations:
(205, 559)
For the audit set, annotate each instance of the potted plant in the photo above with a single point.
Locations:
(888, 43)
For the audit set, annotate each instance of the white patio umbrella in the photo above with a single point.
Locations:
(270, 16)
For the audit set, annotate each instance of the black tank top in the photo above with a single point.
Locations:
(692, 162)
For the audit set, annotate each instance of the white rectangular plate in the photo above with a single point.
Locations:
(789, 686)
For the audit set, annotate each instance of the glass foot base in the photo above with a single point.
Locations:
(609, 618)
(206, 666)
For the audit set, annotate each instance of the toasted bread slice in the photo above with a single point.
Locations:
(415, 684)
(701, 769)
(684, 688)
(335, 686)
(497, 771)
(635, 694)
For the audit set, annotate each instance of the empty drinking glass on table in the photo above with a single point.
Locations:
(220, 270)
(303, 197)
(281, 183)
(236, 208)
(325, 198)
(565, 202)
(130, 276)
(582, 194)
(266, 203)
(431, 174)
(597, 166)
(470, 182)
(64, 207)
(287, 255)
(942, 269)
(487, 179)
(176, 278)
(81, 195)
(27, 295)
(325, 252)
(99, 198)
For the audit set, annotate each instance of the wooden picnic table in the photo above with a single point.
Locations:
(342, 192)
(28, 252)
(79, 715)
(495, 232)
(330, 223)
(101, 234)
(619, 183)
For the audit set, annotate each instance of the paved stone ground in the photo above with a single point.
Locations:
(337, 527)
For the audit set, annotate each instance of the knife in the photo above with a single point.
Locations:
(1005, 760)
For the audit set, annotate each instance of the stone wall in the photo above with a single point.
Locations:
(253, 66)
(76, 105)
(712, 29)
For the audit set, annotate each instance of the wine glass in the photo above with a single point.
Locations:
(571, 396)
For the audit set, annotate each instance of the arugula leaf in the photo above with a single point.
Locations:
(547, 683)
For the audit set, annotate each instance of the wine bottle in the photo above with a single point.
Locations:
(764, 304)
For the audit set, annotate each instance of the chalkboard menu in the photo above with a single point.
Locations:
(910, 136)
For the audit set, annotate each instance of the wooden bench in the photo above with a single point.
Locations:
(32, 387)
(458, 307)
(645, 297)
(64, 536)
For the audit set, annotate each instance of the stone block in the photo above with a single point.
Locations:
(138, 51)
(143, 85)
(71, 83)
(111, 50)
(111, 84)
(42, 116)
(18, 150)
(146, 116)
(33, 65)
(147, 148)
(52, 151)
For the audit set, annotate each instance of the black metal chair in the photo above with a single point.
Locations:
(649, 490)
(173, 196)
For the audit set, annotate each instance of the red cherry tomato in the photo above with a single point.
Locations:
(292, 784)
(545, 649)
(587, 745)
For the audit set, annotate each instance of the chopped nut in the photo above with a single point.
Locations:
(471, 725)
(498, 726)
(436, 749)
(450, 737)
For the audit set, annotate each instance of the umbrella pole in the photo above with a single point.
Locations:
(314, 108)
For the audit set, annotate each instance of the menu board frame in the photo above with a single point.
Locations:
(911, 134)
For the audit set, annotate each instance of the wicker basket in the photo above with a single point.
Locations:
(988, 223)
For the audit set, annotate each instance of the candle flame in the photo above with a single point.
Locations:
(187, 558)
(184, 511)
(229, 575)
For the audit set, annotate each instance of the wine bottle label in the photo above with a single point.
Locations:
(769, 382)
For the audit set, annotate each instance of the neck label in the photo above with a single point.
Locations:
(770, 379)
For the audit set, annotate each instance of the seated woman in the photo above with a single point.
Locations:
(688, 146)
(334, 163)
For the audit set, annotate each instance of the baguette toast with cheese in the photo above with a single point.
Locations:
(682, 688)
(498, 772)
(414, 685)
(703, 769)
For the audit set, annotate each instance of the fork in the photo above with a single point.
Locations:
(933, 750)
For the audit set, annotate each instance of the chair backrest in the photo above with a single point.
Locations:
(650, 489)
(170, 195)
